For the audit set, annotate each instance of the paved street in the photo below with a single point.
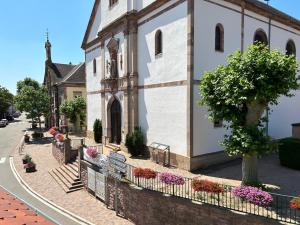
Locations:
(9, 138)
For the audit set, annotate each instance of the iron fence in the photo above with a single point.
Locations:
(279, 209)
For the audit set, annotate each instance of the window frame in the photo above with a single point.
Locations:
(112, 3)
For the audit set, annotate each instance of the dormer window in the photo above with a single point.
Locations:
(112, 2)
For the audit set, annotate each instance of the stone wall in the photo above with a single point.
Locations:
(58, 153)
(144, 207)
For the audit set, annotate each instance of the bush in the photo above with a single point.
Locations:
(134, 142)
(97, 128)
(289, 153)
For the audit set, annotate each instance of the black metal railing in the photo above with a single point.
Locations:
(279, 209)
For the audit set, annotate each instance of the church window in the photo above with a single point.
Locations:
(290, 48)
(219, 38)
(158, 42)
(260, 37)
(94, 66)
(112, 2)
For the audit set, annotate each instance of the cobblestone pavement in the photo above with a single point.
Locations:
(80, 203)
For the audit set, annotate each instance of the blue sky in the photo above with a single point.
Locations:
(22, 34)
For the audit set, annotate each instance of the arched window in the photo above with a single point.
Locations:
(290, 48)
(158, 42)
(94, 66)
(219, 38)
(260, 37)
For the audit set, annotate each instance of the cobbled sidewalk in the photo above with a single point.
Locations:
(80, 203)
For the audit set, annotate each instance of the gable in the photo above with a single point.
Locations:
(93, 25)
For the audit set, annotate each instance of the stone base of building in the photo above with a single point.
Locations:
(186, 163)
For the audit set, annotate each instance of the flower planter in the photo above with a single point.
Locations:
(25, 161)
(26, 139)
(30, 169)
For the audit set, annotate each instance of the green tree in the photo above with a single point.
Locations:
(75, 111)
(6, 99)
(240, 93)
(32, 98)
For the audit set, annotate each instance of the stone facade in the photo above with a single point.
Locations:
(144, 207)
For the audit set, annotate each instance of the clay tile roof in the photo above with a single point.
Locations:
(15, 212)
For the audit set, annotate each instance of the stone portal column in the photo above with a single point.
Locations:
(103, 108)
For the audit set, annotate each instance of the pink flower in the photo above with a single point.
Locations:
(169, 178)
(253, 195)
(92, 152)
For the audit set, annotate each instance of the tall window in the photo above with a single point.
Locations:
(158, 42)
(219, 38)
(260, 36)
(112, 2)
(94, 66)
(290, 48)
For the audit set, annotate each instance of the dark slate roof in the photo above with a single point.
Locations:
(76, 75)
(59, 71)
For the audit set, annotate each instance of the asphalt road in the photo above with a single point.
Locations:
(10, 137)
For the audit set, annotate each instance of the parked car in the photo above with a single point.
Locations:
(10, 118)
(2, 123)
(5, 121)
(17, 114)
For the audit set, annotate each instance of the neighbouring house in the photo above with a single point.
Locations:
(63, 82)
(144, 60)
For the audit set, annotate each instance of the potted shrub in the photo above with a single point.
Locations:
(30, 167)
(26, 137)
(97, 128)
(27, 158)
(135, 142)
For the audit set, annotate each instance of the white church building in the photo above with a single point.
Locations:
(144, 60)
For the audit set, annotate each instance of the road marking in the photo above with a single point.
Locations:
(2, 160)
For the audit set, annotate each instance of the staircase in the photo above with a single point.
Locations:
(67, 177)
(113, 147)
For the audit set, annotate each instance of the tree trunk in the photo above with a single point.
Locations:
(249, 168)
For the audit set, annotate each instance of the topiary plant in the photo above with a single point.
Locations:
(97, 131)
(134, 142)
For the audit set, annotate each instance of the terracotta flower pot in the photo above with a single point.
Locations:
(30, 169)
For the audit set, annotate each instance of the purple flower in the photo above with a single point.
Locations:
(169, 178)
(253, 195)
(92, 152)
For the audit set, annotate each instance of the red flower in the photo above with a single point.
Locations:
(207, 186)
(295, 203)
(53, 131)
(144, 173)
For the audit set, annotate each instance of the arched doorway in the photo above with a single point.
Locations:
(115, 116)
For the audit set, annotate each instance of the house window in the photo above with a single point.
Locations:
(94, 66)
(77, 94)
(219, 38)
(112, 2)
(290, 48)
(260, 37)
(158, 42)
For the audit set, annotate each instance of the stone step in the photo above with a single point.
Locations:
(68, 176)
(74, 167)
(113, 147)
(63, 178)
(69, 169)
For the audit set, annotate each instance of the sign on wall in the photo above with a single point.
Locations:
(117, 165)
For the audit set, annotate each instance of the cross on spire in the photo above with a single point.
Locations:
(47, 34)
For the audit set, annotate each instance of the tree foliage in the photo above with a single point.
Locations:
(97, 128)
(74, 109)
(241, 91)
(32, 98)
(6, 99)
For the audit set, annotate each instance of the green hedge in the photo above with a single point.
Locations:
(289, 153)
(97, 131)
(135, 142)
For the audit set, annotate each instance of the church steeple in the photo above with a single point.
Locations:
(48, 48)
